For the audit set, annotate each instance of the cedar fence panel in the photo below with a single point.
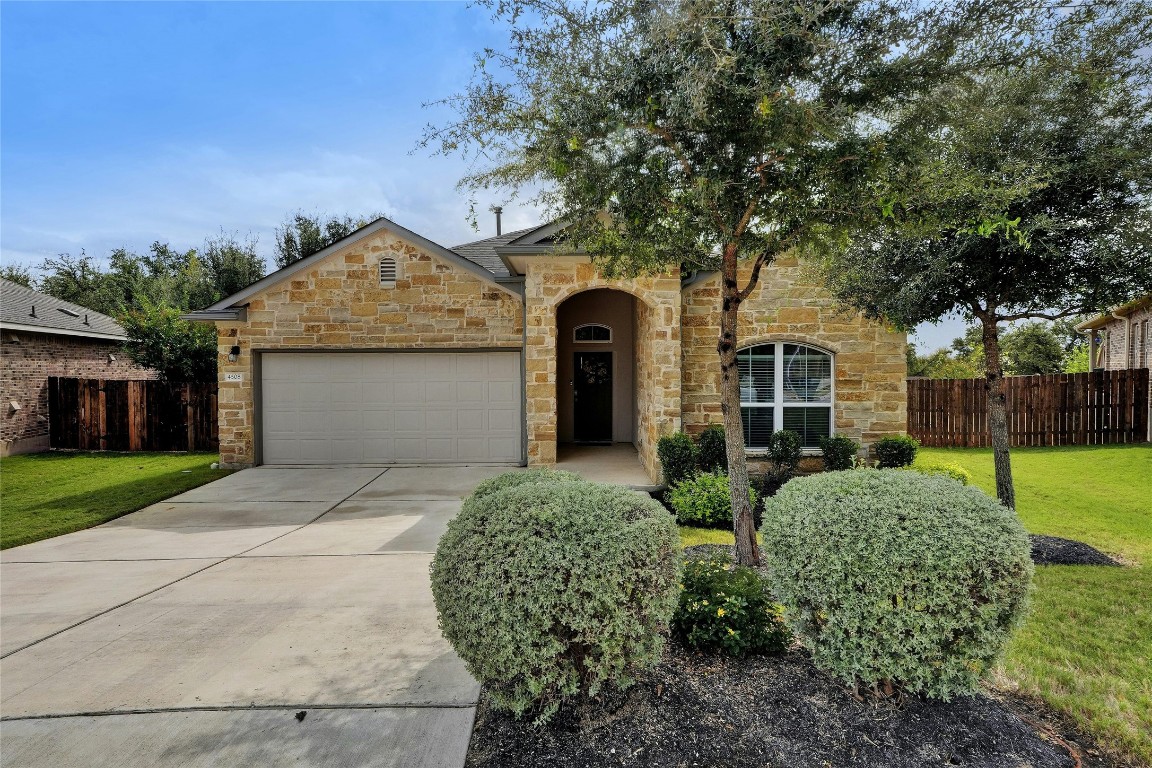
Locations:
(107, 415)
(1097, 408)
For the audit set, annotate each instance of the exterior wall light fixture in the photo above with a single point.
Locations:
(234, 354)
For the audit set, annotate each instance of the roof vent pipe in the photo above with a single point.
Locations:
(496, 209)
(33, 311)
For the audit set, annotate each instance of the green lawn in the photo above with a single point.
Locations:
(1086, 648)
(49, 494)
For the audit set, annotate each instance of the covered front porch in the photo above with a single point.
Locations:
(618, 463)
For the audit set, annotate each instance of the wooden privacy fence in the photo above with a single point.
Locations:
(1094, 408)
(107, 415)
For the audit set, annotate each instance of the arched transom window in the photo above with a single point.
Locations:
(785, 386)
(592, 333)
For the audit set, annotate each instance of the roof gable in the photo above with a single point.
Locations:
(22, 308)
(238, 299)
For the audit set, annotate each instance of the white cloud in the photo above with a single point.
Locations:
(183, 195)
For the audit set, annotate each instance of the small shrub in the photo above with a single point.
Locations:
(784, 451)
(678, 457)
(713, 453)
(705, 501)
(527, 477)
(550, 591)
(895, 452)
(729, 609)
(945, 468)
(839, 452)
(897, 578)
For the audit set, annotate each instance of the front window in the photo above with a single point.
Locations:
(785, 386)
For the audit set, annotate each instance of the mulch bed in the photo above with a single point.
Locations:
(1052, 550)
(710, 711)
(706, 710)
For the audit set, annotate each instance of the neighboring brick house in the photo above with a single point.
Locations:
(388, 348)
(42, 336)
(1122, 339)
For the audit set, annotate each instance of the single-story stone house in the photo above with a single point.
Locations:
(42, 336)
(388, 348)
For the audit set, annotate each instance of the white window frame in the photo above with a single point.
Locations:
(592, 341)
(778, 405)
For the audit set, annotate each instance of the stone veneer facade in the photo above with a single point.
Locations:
(869, 359)
(337, 304)
(28, 358)
(548, 281)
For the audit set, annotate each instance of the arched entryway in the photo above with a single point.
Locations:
(596, 368)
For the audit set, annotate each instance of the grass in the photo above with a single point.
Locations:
(1086, 647)
(48, 494)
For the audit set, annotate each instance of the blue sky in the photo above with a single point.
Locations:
(123, 123)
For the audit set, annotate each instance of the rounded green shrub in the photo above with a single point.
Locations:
(945, 468)
(550, 591)
(705, 501)
(527, 477)
(729, 609)
(894, 452)
(839, 452)
(712, 452)
(678, 457)
(892, 577)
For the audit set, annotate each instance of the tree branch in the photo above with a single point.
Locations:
(1038, 315)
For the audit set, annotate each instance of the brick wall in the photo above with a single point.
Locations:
(869, 360)
(339, 304)
(1138, 352)
(27, 359)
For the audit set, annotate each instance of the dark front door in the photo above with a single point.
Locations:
(592, 397)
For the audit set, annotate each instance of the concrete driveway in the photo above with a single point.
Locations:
(193, 632)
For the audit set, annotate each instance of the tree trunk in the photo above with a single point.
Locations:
(997, 411)
(743, 525)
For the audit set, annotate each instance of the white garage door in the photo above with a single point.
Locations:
(390, 407)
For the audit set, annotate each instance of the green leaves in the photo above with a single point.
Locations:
(894, 576)
(550, 587)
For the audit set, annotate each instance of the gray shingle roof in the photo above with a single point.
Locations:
(483, 252)
(52, 314)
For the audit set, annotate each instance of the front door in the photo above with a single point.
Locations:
(592, 397)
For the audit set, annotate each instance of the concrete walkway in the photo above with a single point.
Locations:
(192, 633)
(617, 463)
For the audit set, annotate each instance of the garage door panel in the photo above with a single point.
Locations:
(408, 393)
(388, 407)
(504, 392)
(503, 419)
(440, 393)
(379, 420)
(470, 419)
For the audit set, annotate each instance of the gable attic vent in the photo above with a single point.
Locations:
(388, 272)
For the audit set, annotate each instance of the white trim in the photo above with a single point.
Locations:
(60, 331)
(778, 404)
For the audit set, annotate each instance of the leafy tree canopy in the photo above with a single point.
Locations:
(17, 273)
(180, 351)
(302, 234)
(696, 134)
